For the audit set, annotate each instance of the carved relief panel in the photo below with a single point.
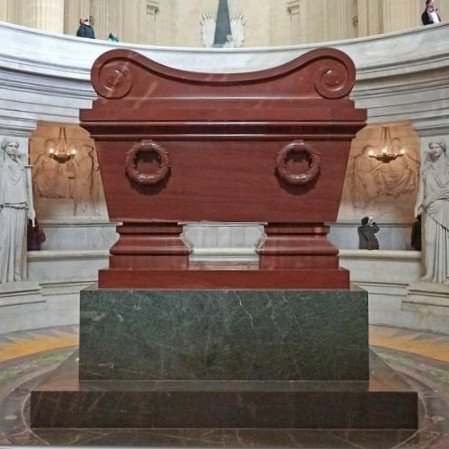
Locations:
(70, 188)
(386, 190)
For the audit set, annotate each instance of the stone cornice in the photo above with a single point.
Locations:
(400, 76)
(71, 57)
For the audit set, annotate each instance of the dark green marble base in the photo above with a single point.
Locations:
(385, 402)
(224, 335)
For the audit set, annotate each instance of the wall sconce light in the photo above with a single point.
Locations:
(386, 153)
(63, 151)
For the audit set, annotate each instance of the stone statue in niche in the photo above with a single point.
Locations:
(433, 205)
(16, 207)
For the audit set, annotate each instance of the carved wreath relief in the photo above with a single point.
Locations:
(147, 149)
(308, 153)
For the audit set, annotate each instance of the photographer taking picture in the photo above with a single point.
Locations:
(367, 231)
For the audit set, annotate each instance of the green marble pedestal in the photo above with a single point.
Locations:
(224, 335)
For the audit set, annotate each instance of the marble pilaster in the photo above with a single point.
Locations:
(398, 16)
(4, 10)
(136, 11)
(100, 11)
(10, 11)
(46, 15)
(369, 17)
(287, 34)
(166, 26)
(339, 20)
(312, 12)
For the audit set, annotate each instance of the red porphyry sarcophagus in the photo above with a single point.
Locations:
(269, 146)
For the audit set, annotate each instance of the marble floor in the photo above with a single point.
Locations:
(422, 359)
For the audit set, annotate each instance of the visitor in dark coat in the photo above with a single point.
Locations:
(367, 231)
(85, 29)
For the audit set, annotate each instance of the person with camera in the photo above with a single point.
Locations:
(367, 231)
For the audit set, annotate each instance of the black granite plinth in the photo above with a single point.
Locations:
(383, 402)
(224, 335)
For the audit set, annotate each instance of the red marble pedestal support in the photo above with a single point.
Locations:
(297, 246)
(149, 246)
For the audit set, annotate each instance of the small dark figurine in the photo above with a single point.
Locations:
(35, 236)
(416, 234)
(367, 231)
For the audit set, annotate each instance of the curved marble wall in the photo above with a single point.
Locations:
(401, 77)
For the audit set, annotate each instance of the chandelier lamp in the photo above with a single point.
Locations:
(63, 152)
(386, 152)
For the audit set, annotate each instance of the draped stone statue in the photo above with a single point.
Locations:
(15, 209)
(84, 191)
(433, 205)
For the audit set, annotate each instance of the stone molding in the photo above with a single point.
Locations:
(400, 76)
(17, 292)
(427, 295)
(96, 254)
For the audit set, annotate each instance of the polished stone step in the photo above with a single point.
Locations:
(384, 402)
